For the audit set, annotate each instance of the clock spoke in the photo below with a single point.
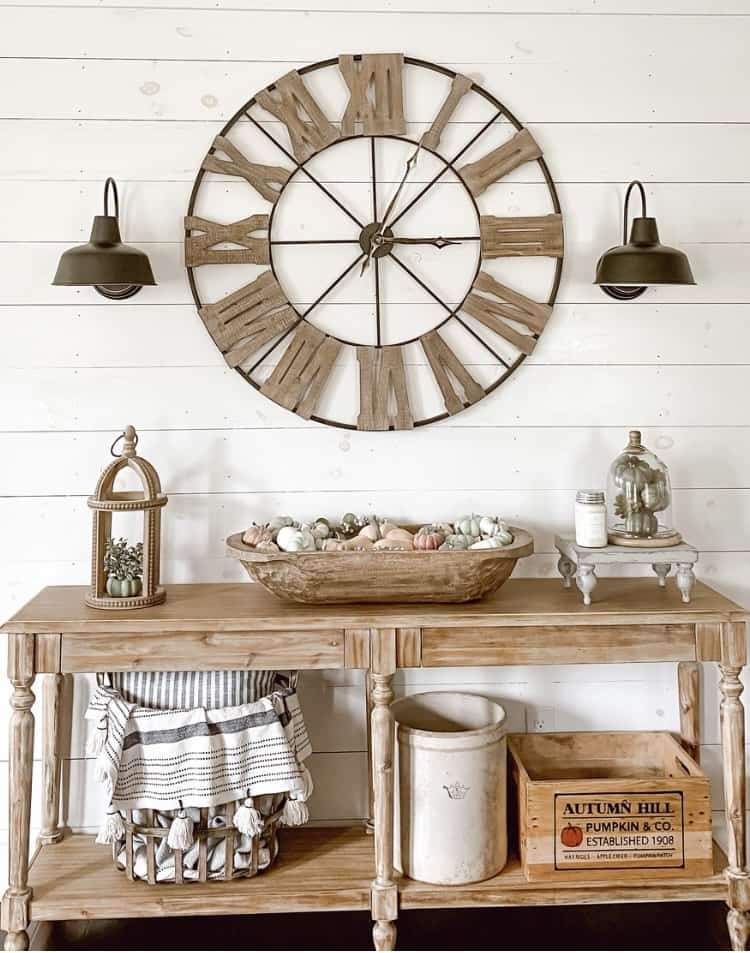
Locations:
(303, 169)
(373, 169)
(445, 168)
(332, 285)
(315, 241)
(452, 312)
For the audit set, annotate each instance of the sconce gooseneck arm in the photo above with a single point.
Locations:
(633, 184)
(111, 183)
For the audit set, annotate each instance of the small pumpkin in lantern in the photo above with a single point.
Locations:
(428, 538)
(571, 835)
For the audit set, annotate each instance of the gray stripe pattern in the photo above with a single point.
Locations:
(180, 690)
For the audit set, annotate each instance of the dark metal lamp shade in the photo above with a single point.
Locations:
(116, 271)
(626, 270)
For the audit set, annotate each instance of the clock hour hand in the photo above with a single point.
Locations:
(438, 242)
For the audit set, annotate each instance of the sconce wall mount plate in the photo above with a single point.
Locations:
(625, 271)
(115, 270)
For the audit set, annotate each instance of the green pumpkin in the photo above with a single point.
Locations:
(458, 541)
(123, 588)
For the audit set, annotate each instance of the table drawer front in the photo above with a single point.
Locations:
(556, 645)
(203, 651)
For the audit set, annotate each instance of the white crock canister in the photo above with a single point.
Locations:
(452, 787)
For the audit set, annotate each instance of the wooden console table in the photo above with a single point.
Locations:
(528, 622)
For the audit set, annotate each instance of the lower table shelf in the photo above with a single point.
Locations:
(318, 869)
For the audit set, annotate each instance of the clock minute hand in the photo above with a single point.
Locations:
(438, 242)
(410, 164)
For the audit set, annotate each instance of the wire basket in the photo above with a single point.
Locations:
(211, 863)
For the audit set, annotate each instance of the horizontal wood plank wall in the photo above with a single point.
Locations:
(137, 89)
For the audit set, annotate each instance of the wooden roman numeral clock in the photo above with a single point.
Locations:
(363, 270)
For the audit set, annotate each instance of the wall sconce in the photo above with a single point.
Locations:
(115, 270)
(625, 270)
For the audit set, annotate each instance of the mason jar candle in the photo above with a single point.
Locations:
(591, 519)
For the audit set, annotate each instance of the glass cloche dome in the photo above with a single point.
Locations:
(639, 498)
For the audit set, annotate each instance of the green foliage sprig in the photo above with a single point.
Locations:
(123, 561)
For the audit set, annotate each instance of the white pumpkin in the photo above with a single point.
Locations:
(293, 540)
(468, 525)
(491, 542)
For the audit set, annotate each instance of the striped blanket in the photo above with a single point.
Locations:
(197, 757)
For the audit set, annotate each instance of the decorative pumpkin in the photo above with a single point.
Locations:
(468, 525)
(279, 522)
(459, 541)
(267, 546)
(358, 543)
(400, 533)
(371, 531)
(641, 523)
(428, 538)
(350, 525)
(321, 528)
(387, 527)
(332, 545)
(445, 529)
(123, 588)
(492, 542)
(293, 540)
(256, 534)
(571, 835)
(393, 545)
(495, 528)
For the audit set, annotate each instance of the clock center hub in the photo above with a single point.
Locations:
(374, 240)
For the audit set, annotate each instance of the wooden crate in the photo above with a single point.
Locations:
(596, 805)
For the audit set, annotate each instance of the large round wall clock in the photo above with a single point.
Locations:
(374, 242)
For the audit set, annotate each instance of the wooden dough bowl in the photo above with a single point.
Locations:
(340, 577)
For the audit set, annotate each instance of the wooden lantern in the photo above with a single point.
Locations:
(106, 501)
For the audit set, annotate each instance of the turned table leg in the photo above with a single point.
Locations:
(15, 905)
(662, 571)
(370, 823)
(586, 581)
(685, 580)
(52, 686)
(384, 892)
(567, 569)
(733, 658)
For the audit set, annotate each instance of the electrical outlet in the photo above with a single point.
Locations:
(540, 719)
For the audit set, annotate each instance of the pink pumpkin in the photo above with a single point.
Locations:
(428, 538)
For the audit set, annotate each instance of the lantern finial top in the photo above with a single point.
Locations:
(130, 440)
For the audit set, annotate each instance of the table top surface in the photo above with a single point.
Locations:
(682, 552)
(247, 607)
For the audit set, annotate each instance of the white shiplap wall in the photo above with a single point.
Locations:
(612, 89)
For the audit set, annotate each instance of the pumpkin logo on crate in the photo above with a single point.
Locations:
(571, 836)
